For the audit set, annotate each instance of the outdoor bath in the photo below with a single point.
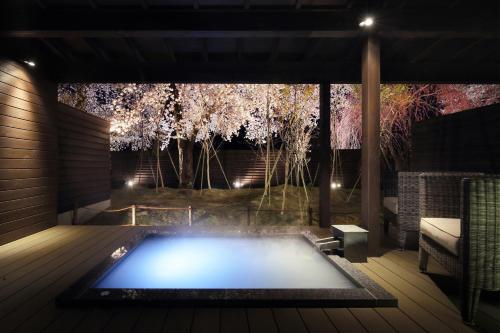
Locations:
(226, 269)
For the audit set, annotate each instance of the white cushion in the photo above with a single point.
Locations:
(391, 203)
(444, 231)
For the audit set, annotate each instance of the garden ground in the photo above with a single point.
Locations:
(230, 207)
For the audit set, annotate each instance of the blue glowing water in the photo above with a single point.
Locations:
(224, 262)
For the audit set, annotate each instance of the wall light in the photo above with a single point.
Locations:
(367, 22)
(130, 183)
(30, 63)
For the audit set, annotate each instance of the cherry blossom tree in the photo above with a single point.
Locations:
(298, 116)
(207, 110)
(401, 106)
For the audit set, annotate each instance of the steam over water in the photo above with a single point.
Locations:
(224, 263)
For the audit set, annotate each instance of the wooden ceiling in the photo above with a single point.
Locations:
(252, 40)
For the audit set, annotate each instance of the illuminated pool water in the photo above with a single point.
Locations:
(164, 262)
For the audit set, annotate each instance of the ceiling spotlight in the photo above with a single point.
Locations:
(29, 63)
(367, 22)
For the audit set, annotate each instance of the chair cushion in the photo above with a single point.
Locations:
(391, 203)
(444, 231)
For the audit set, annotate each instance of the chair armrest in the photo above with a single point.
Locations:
(480, 232)
(408, 211)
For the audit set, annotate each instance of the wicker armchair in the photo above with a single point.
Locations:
(403, 219)
(475, 201)
(408, 203)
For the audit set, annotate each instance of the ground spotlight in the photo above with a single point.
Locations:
(335, 185)
(367, 22)
(130, 183)
(237, 184)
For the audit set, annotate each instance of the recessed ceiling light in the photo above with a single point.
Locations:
(367, 22)
(30, 63)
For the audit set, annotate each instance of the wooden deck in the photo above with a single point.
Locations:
(33, 270)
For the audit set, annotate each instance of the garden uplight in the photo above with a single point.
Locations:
(367, 22)
(335, 185)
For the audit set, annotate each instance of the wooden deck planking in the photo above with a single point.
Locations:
(316, 320)
(371, 320)
(93, 321)
(122, 320)
(411, 308)
(38, 238)
(206, 320)
(289, 320)
(37, 250)
(344, 320)
(417, 279)
(233, 320)
(29, 303)
(261, 320)
(151, 320)
(179, 320)
(15, 274)
(451, 318)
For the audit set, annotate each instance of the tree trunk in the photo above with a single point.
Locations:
(185, 148)
(207, 151)
(159, 173)
(287, 170)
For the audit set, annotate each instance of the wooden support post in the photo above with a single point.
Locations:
(370, 150)
(324, 155)
(190, 216)
(133, 214)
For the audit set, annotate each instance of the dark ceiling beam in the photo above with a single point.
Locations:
(132, 46)
(56, 47)
(246, 23)
(93, 4)
(170, 50)
(402, 3)
(389, 51)
(275, 49)
(204, 49)
(55, 50)
(308, 72)
(196, 4)
(467, 47)
(246, 4)
(240, 49)
(425, 51)
(312, 48)
(41, 4)
(96, 49)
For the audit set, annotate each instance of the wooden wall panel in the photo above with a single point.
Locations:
(464, 141)
(84, 158)
(28, 152)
